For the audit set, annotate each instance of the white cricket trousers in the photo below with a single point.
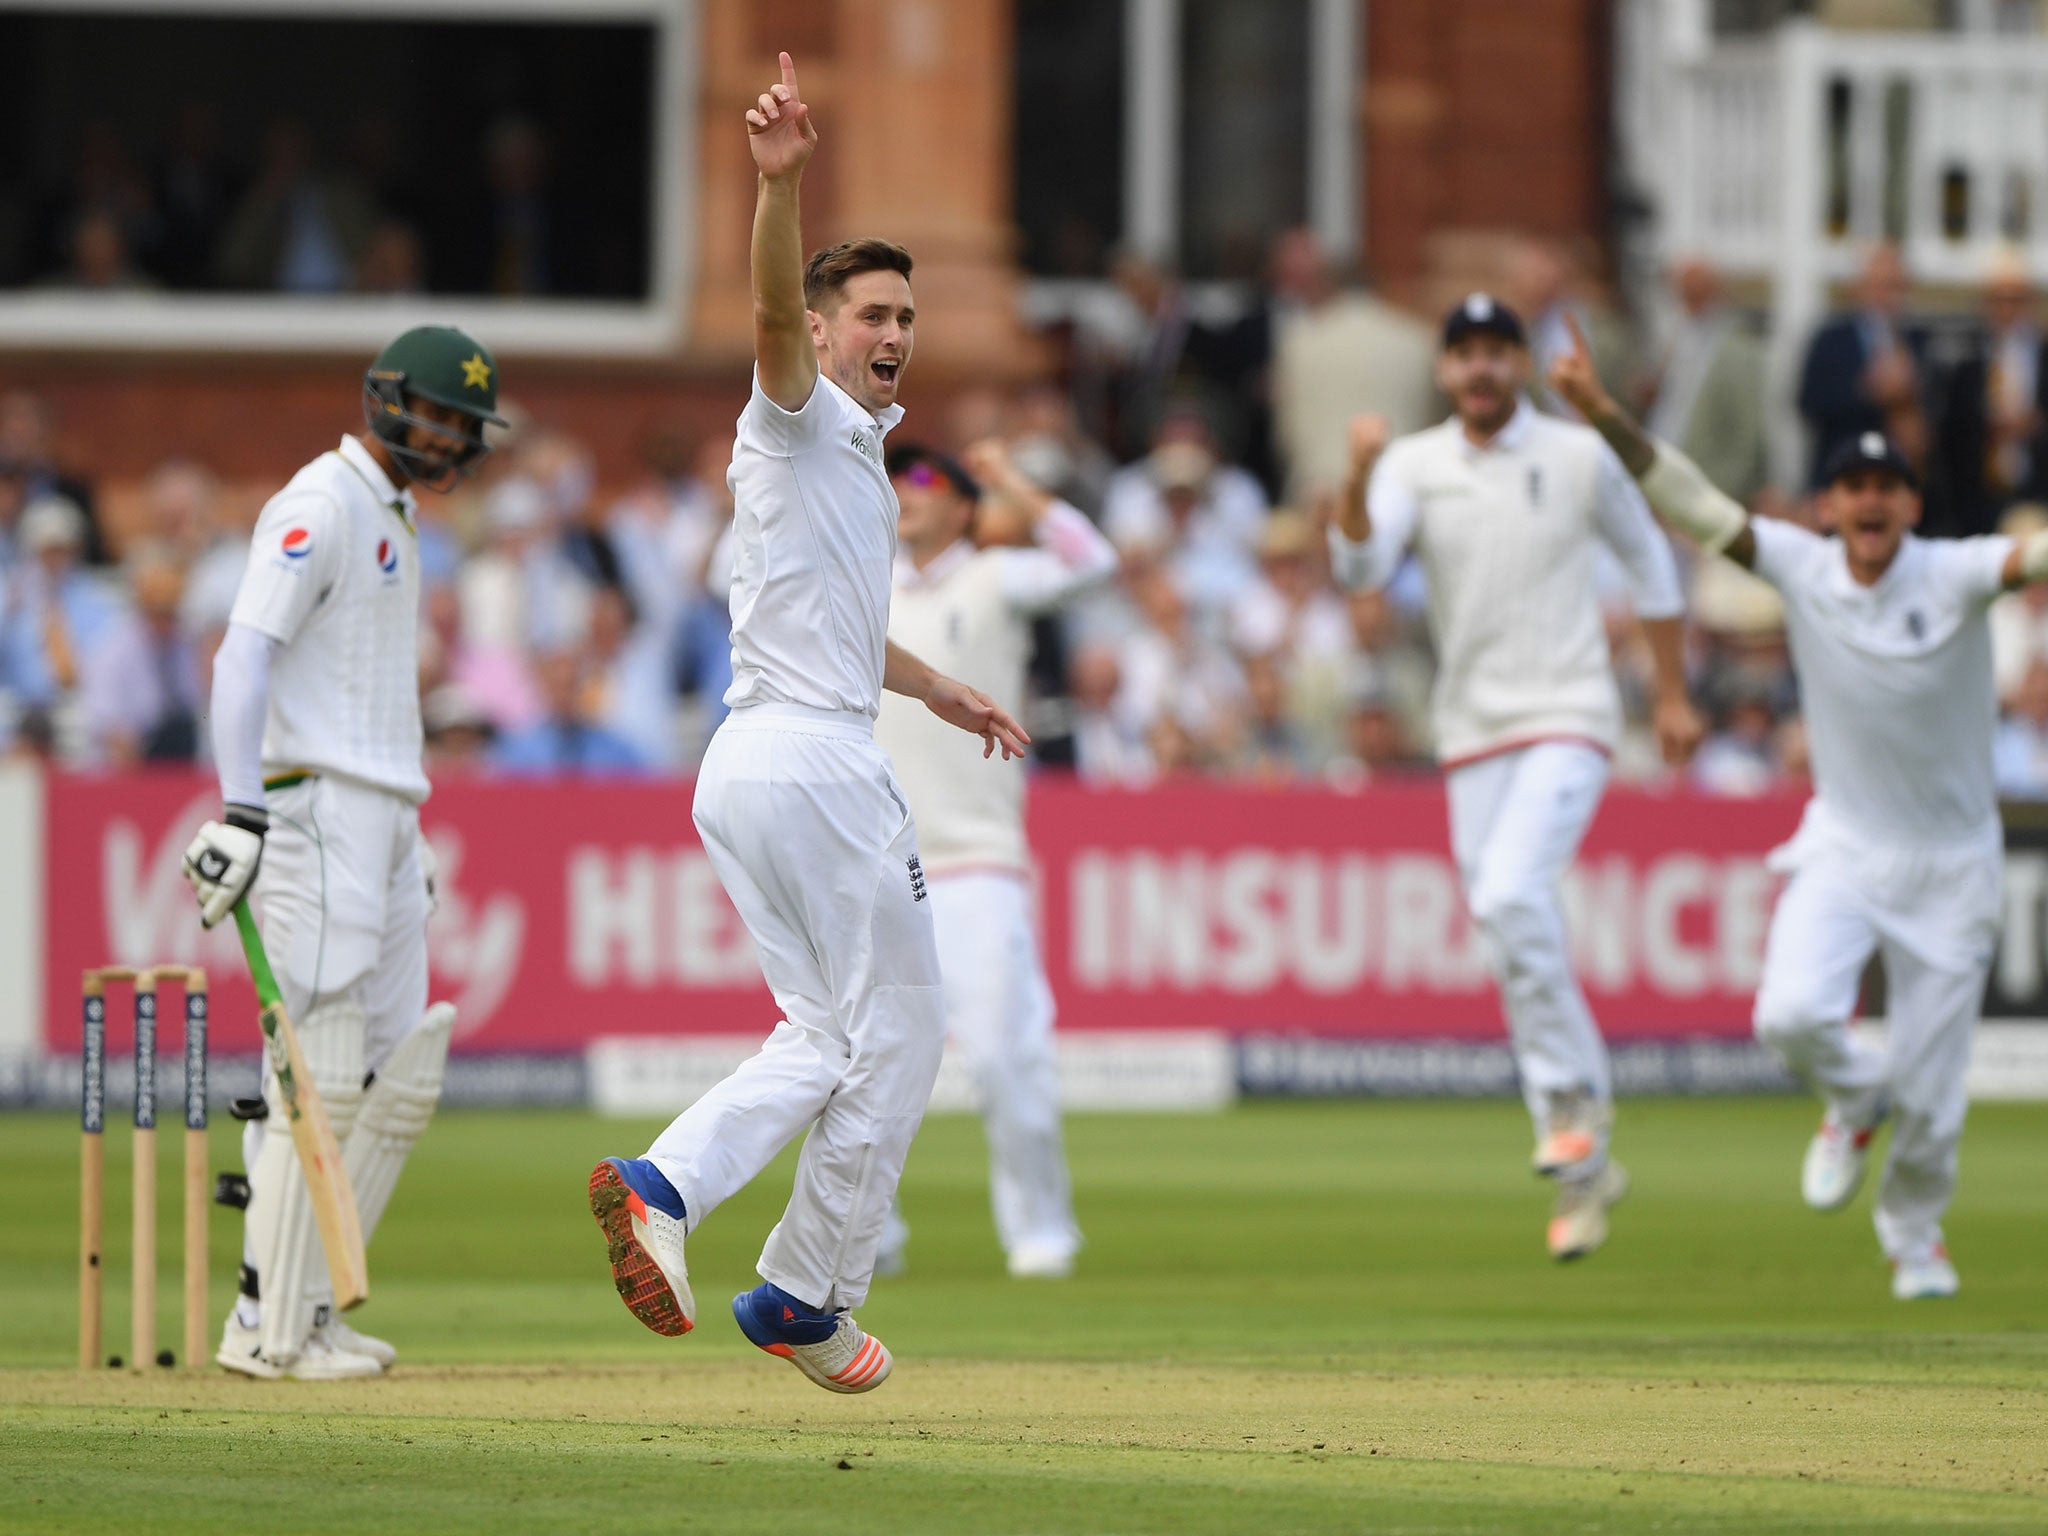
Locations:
(999, 1011)
(1934, 918)
(1516, 821)
(802, 818)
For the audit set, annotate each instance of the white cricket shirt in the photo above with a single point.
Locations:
(1894, 681)
(814, 530)
(969, 615)
(334, 577)
(1505, 532)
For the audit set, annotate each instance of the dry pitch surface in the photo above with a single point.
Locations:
(1323, 1318)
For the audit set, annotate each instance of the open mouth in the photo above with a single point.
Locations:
(885, 371)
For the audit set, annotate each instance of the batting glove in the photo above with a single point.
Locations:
(223, 859)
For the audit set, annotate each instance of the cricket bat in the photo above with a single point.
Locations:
(334, 1198)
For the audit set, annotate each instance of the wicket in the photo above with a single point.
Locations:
(92, 1162)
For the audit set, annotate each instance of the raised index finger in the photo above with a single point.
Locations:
(789, 75)
(1571, 321)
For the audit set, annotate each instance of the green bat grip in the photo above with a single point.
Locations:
(259, 962)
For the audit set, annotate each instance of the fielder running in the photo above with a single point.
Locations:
(801, 814)
(970, 611)
(1899, 852)
(316, 728)
(1503, 506)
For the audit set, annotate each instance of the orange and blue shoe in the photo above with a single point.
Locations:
(642, 1218)
(828, 1347)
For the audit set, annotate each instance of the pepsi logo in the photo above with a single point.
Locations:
(298, 543)
(387, 557)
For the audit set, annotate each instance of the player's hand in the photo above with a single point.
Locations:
(1575, 379)
(975, 712)
(1679, 728)
(1367, 438)
(779, 127)
(223, 859)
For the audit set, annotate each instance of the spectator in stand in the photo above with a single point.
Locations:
(1152, 365)
(1047, 443)
(1991, 443)
(99, 259)
(492, 679)
(1180, 687)
(1544, 282)
(1110, 750)
(1740, 757)
(1201, 516)
(628, 682)
(1864, 367)
(194, 190)
(1708, 396)
(1293, 634)
(298, 228)
(391, 262)
(139, 685)
(515, 230)
(458, 733)
(520, 592)
(1338, 353)
(1393, 666)
(28, 437)
(56, 612)
(1375, 741)
(187, 519)
(2019, 752)
(567, 741)
(104, 184)
(2019, 620)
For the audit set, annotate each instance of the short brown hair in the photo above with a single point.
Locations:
(830, 269)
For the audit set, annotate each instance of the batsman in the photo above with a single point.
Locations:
(316, 731)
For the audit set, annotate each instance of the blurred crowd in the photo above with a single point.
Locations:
(575, 617)
(284, 209)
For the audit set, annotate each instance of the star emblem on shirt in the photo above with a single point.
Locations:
(476, 373)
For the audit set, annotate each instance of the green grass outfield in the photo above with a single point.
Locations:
(1315, 1317)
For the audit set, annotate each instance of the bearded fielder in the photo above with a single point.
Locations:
(1900, 851)
(316, 728)
(970, 610)
(1504, 506)
(801, 814)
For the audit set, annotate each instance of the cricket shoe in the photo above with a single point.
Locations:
(354, 1342)
(1924, 1275)
(1835, 1159)
(1578, 1222)
(319, 1359)
(1041, 1261)
(828, 1347)
(642, 1218)
(1572, 1131)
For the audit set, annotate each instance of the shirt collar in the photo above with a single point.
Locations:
(365, 464)
(949, 560)
(1513, 434)
(883, 419)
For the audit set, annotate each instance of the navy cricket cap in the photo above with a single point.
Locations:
(1869, 450)
(1482, 312)
(907, 458)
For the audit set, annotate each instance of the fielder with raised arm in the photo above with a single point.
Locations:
(316, 728)
(1504, 506)
(970, 610)
(801, 814)
(1900, 850)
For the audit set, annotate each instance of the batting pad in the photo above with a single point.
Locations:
(282, 1231)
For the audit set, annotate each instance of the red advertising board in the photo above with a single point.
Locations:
(571, 911)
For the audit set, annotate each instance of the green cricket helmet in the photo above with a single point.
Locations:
(450, 368)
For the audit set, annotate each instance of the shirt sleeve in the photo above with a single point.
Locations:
(1622, 519)
(1391, 509)
(1975, 567)
(1782, 551)
(1070, 557)
(295, 558)
(768, 428)
(240, 707)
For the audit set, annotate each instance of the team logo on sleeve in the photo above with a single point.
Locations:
(297, 543)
